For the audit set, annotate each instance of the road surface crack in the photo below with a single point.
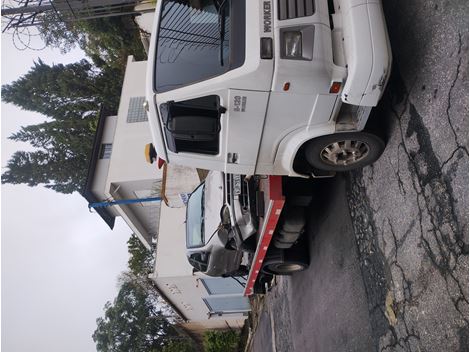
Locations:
(443, 242)
(449, 96)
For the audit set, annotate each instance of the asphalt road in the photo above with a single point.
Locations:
(325, 307)
(389, 249)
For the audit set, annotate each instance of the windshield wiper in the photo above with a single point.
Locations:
(221, 14)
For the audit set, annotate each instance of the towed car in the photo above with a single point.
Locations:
(208, 231)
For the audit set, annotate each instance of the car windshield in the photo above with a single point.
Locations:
(193, 42)
(195, 218)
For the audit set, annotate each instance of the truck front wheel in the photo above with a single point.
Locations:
(344, 151)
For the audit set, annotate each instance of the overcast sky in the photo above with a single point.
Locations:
(59, 262)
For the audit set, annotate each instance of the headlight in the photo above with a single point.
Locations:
(292, 45)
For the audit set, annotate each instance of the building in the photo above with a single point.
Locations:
(202, 302)
(119, 171)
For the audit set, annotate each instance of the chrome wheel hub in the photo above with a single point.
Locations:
(344, 153)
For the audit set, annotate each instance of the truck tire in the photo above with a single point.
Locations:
(284, 267)
(260, 284)
(286, 261)
(344, 151)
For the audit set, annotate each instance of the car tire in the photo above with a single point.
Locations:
(344, 151)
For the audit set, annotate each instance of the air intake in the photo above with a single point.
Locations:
(289, 9)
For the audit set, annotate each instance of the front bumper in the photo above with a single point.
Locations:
(367, 50)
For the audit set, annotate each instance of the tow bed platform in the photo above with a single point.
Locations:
(273, 204)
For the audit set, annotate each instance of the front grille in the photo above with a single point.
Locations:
(244, 196)
(295, 8)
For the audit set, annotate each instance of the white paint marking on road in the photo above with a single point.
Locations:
(273, 333)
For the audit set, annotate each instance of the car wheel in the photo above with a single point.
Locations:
(344, 151)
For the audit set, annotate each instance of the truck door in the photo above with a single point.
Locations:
(248, 94)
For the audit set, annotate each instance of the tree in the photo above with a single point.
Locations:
(220, 341)
(70, 95)
(141, 264)
(181, 346)
(140, 258)
(64, 91)
(107, 41)
(34, 168)
(132, 323)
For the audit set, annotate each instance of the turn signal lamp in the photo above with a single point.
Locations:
(149, 153)
(335, 87)
(160, 162)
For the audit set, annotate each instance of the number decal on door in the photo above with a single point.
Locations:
(239, 103)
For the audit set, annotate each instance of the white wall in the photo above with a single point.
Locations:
(186, 293)
(128, 169)
(128, 159)
(173, 275)
(179, 180)
(145, 21)
(102, 165)
(171, 247)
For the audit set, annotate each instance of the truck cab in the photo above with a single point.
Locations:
(267, 87)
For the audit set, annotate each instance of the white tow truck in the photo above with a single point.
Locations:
(262, 90)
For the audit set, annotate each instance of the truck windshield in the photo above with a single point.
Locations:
(194, 42)
(195, 218)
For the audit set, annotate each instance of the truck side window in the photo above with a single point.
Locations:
(192, 125)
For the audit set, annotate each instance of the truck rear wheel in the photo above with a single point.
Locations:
(344, 151)
(284, 268)
(286, 261)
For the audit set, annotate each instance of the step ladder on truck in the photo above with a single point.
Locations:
(264, 92)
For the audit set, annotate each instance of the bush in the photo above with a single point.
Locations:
(180, 346)
(220, 341)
